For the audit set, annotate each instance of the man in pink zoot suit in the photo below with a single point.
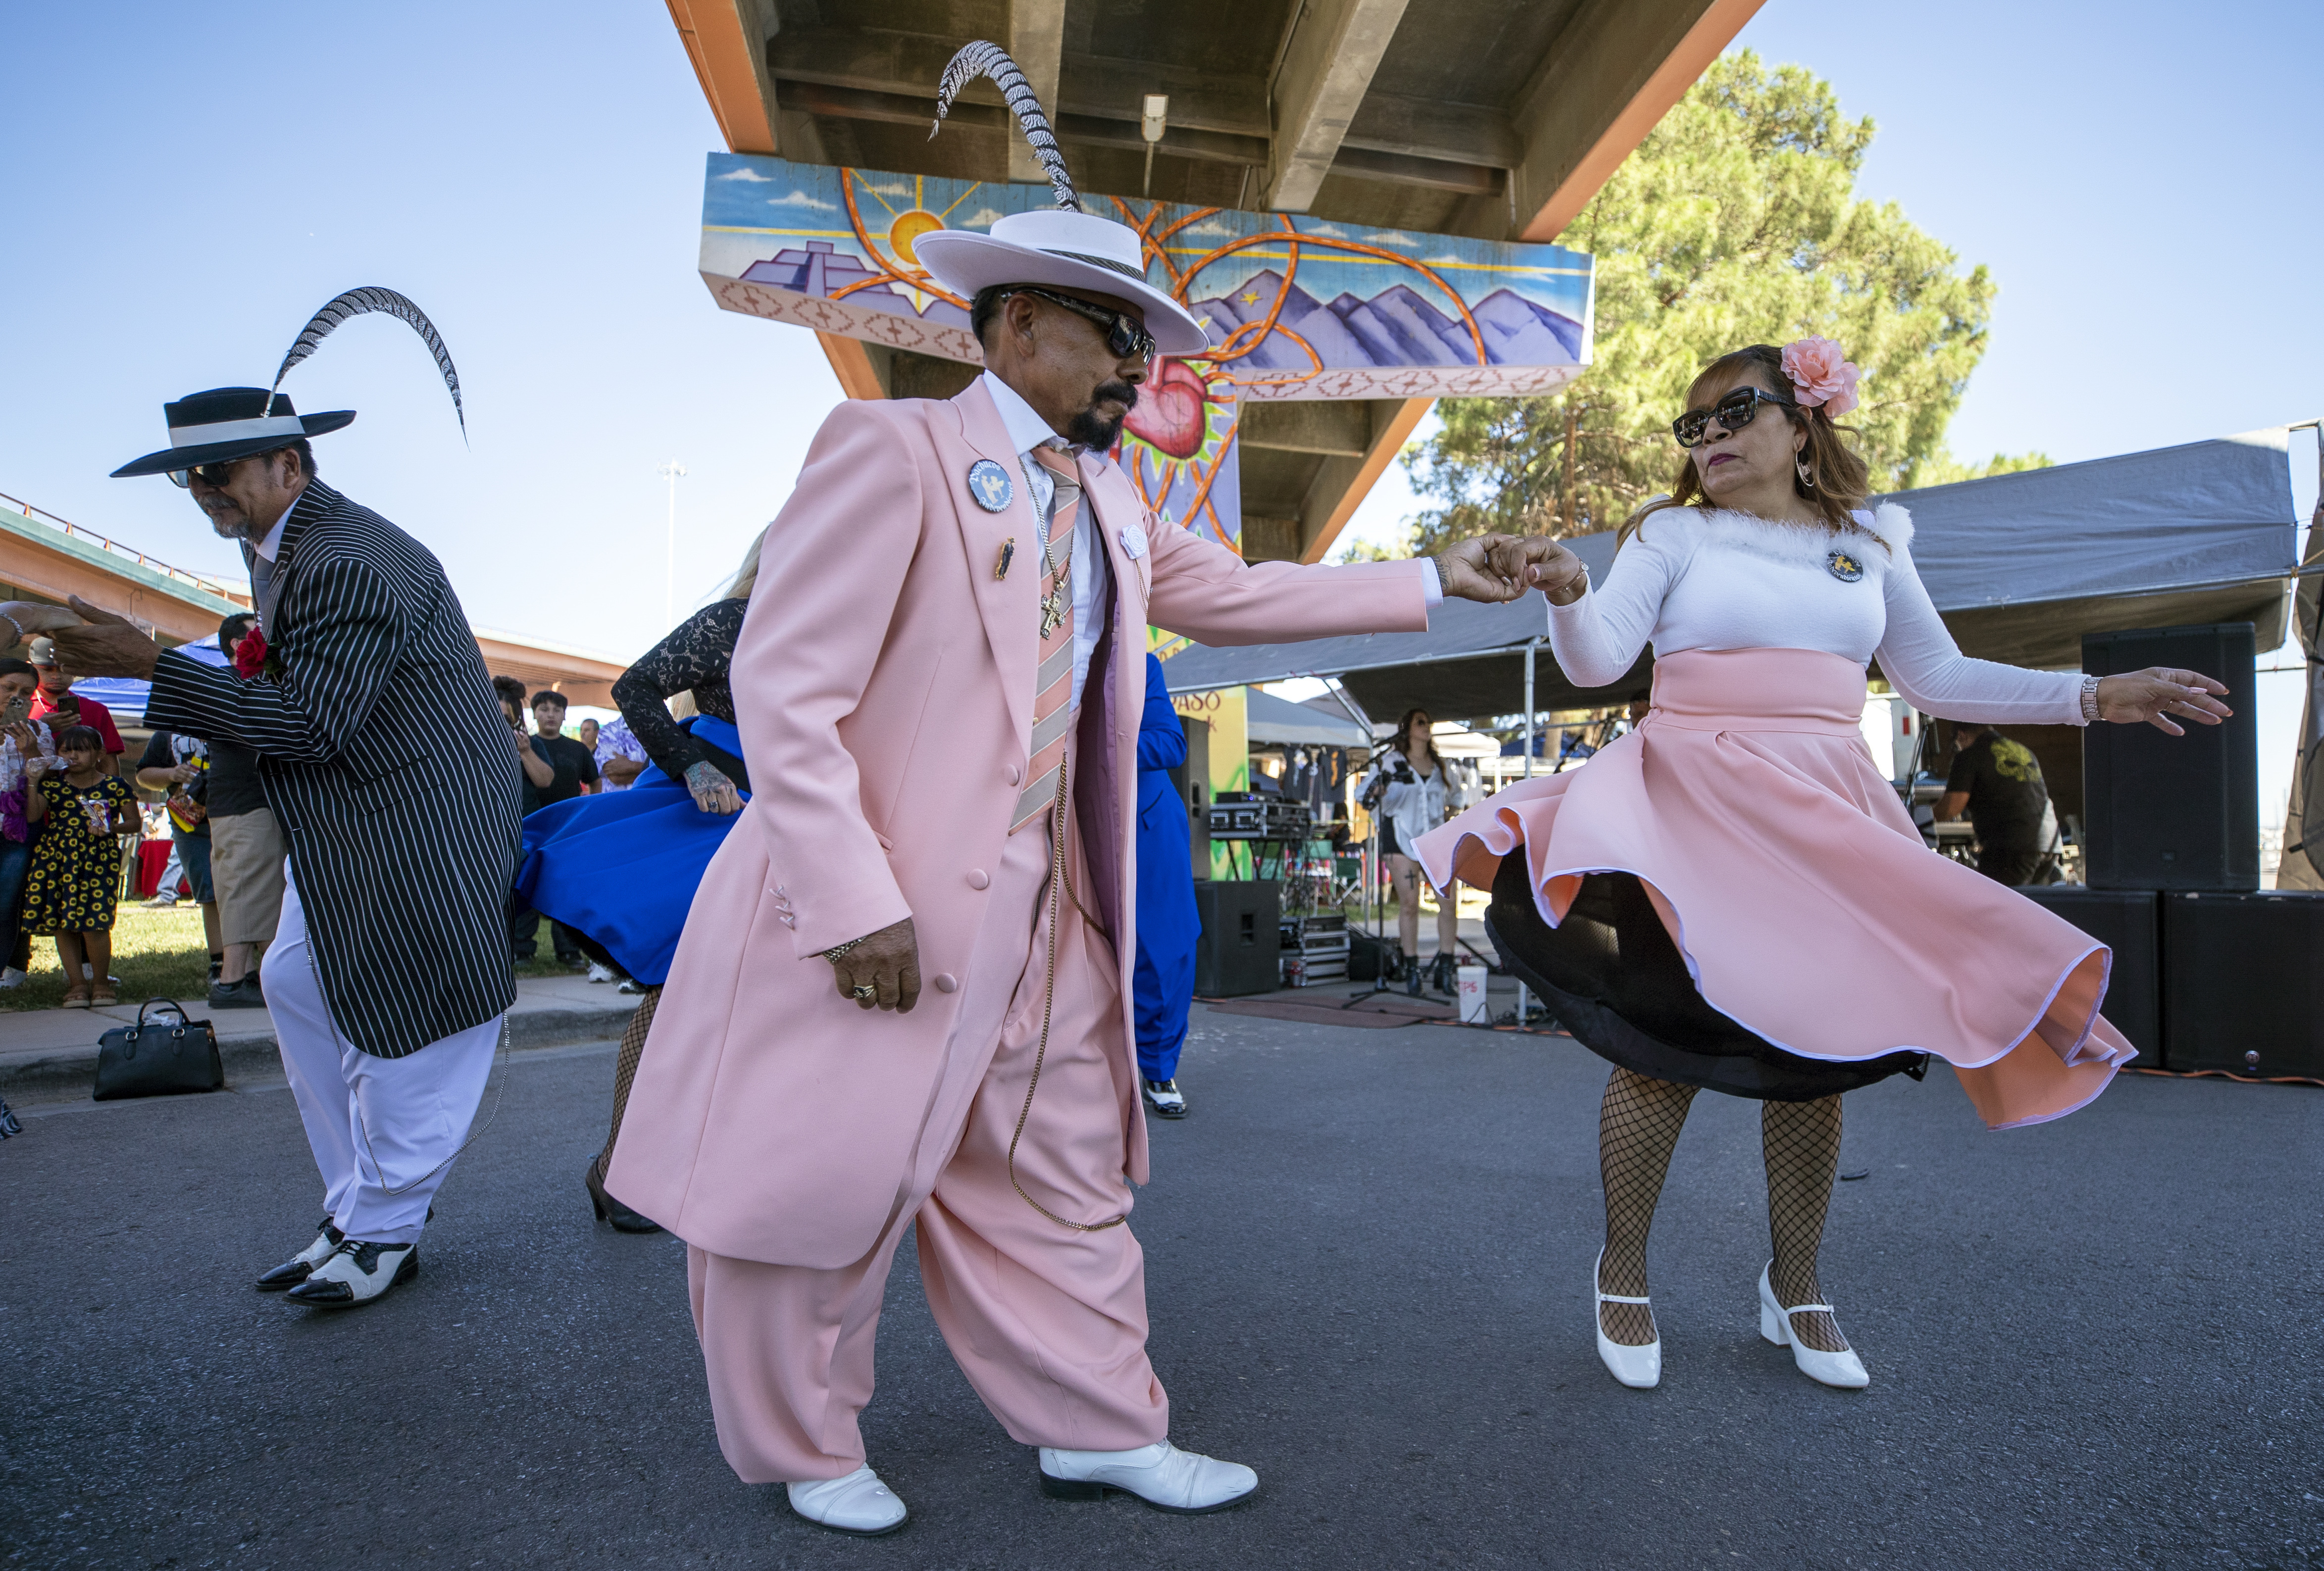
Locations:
(938, 686)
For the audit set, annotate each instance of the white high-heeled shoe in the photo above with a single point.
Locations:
(1843, 1369)
(1639, 1368)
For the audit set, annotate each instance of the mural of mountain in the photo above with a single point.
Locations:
(1396, 326)
(821, 272)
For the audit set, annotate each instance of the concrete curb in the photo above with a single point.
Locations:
(64, 1074)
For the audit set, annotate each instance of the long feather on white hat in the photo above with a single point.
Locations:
(990, 59)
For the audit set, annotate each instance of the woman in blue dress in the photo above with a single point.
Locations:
(620, 869)
(1162, 984)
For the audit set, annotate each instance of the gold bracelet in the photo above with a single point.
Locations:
(837, 950)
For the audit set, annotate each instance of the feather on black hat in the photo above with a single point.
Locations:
(228, 423)
(360, 302)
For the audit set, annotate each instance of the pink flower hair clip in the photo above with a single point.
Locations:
(1820, 375)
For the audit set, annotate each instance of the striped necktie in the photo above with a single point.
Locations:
(1053, 684)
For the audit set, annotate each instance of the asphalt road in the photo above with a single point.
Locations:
(1367, 1252)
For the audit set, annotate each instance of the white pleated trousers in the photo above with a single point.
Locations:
(376, 1125)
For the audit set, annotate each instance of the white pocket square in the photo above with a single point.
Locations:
(1133, 541)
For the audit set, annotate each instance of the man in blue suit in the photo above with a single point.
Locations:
(1167, 926)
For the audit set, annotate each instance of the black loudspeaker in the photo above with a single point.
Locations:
(2128, 922)
(2173, 813)
(1241, 944)
(2242, 983)
(1368, 954)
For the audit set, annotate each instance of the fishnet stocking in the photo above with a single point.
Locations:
(1801, 1144)
(625, 1068)
(1638, 1124)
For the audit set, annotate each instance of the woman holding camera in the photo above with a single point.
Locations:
(1406, 789)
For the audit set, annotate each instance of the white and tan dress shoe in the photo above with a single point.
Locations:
(1843, 1369)
(857, 1504)
(1160, 1474)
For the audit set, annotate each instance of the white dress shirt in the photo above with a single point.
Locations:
(273, 545)
(1028, 430)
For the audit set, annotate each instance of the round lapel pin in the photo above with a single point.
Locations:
(988, 483)
(1843, 566)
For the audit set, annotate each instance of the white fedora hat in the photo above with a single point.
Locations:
(1074, 251)
(1063, 247)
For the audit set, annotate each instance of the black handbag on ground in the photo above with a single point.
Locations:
(158, 1059)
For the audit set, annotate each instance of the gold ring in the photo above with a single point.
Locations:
(867, 990)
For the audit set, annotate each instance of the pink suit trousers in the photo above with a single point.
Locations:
(1048, 1322)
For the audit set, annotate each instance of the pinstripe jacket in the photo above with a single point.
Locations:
(386, 758)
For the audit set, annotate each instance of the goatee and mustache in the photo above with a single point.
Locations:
(1092, 430)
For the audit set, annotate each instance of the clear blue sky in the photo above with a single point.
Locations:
(184, 185)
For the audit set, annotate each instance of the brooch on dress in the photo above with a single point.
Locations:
(1843, 566)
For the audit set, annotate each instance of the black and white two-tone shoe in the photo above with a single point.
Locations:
(1165, 1099)
(301, 1265)
(357, 1272)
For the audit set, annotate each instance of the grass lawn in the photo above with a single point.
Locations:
(160, 953)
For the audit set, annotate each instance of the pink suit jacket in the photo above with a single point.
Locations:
(884, 686)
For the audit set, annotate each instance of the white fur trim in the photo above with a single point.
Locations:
(1892, 524)
(1792, 545)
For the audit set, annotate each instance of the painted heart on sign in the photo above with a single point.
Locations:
(1169, 413)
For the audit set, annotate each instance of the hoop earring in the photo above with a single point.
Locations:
(1807, 475)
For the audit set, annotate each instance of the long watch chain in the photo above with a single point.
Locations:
(1058, 819)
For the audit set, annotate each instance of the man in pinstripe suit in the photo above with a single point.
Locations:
(384, 755)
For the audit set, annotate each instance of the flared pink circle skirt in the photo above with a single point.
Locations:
(1803, 901)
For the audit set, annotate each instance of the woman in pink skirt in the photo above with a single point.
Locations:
(1731, 896)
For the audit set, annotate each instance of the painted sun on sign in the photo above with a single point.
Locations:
(1296, 308)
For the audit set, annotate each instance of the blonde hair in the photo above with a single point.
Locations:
(746, 577)
(1838, 481)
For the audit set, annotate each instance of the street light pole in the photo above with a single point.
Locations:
(673, 471)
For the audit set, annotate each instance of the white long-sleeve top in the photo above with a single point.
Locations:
(1702, 579)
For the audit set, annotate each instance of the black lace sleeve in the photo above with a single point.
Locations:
(697, 657)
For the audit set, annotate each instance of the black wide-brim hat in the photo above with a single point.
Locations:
(229, 422)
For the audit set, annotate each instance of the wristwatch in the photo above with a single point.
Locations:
(2089, 701)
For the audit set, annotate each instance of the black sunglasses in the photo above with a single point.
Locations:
(215, 474)
(1733, 412)
(1125, 337)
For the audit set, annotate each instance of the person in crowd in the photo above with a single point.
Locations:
(620, 756)
(949, 651)
(1731, 896)
(388, 764)
(1997, 782)
(22, 739)
(177, 767)
(572, 768)
(55, 704)
(586, 733)
(1408, 788)
(534, 769)
(1162, 982)
(76, 873)
(246, 849)
(662, 833)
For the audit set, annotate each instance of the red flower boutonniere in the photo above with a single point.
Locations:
(253, 658)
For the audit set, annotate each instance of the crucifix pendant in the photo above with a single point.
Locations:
(1053, 612)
